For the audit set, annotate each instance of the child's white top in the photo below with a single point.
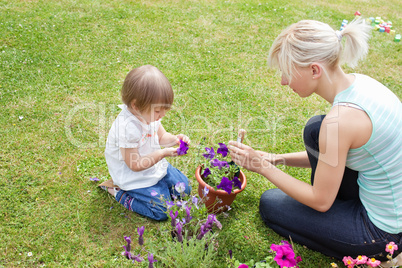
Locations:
(128, 131)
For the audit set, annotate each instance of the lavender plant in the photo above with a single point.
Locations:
(189, 240)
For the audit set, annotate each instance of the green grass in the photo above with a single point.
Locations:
(62, 64)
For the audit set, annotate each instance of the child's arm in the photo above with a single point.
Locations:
(167, 139)
(138, 163)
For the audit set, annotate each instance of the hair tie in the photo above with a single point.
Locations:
(339, 35)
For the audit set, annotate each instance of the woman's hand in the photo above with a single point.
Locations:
(247, 157)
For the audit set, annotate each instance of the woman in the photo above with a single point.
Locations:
(354, 203)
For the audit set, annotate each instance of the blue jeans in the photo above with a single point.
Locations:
(344, 230)
(142, 202)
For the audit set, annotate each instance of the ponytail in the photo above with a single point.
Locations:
(357, 34)
(309, 41)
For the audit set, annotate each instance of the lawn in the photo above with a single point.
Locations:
(62, 64)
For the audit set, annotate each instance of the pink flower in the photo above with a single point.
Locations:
(391, 247)
(243, 266)
(285, 257)
(373, 262)
(361, 260)
(349, 261)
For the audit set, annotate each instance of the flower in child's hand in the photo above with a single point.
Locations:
(391, 247)
(223, 150)
(210, 153)
(349, 261)
(182, 150)
(373, 262)
(225, 185)
(180, 187)
(140, 231)
(154, 193)
(151, 260)
(361, 259)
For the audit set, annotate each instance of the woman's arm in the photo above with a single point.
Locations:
(298, 159)
(338, 132)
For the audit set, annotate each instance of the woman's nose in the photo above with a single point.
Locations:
(284, 81)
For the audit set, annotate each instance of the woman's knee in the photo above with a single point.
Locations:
(312, 129)
(269, 203)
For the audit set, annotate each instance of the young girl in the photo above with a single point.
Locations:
(133, 152)
(354, 203)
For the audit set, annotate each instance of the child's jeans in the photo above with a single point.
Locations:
(344, 230)
(142, 202)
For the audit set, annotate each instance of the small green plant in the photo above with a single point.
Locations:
(189, 241)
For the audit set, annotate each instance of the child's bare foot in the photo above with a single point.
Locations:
(110, 190)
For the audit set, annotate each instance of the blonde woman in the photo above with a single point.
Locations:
(353, 205)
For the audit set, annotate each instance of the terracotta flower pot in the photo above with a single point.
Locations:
(212, 204)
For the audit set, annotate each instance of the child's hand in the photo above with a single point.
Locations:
(183, 138)
(169, 152)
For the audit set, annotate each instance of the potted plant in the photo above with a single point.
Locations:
(219, 179)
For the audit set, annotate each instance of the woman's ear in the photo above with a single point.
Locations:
(316, 70)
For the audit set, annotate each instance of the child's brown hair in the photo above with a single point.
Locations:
(147, 86)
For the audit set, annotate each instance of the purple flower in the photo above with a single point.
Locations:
(205, 191)
(225, 185)
(223, 150)
(181, 203)
(182, 150)
(169, 204)
(179, 229)
(188, 215)
(173, 216)
(236, 182)
(128, 240)
(230, 253)
(180, 187)
(154, 193)
(126, 253)
(203, 231)
(137, 258)
(94, 179)
(210, 153)
(194, 200)
(219, 164)
(140, 231)
(206, 173)
(151, 260)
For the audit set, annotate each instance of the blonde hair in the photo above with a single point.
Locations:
(148, 86)
(309, 41)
